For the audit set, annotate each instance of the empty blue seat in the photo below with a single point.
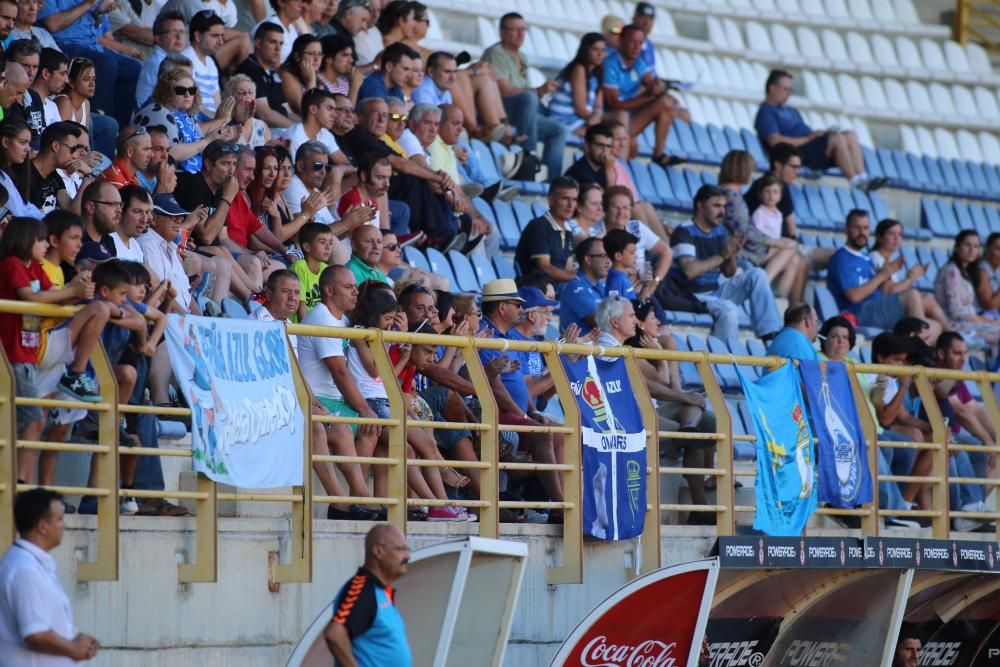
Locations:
(645, 140)
(661, 182)
(726, 373)
(734, 139)
(694, 181)
(481, 265)
(860, 200)
(522, 212)
(846, 200)
(644, 182)
(965, 178)
(931, 217)
(487, 163)
(934, 174)
(439, 264)
(690, 377)
(906, 174)
(951, 178)
(506, 223)
(833, 209)
(233, 309)
(804, 217)
(963, 215)
(719, 141)
(464, 273)
(739, 428)
(992, 180)
(539, 208)
(941, 257)
(979, 220)
(753, 146)
(993, 219)
(880, 209)
(415, 258)
(689, 145)
(873, 165)
(709, 178)
(504, 267)
(682, 191)
(979, 179)
(919, 169)
(889, 168)
(824, 303)
(673, 146)
(704, 142)
(820, 214)
(745, 451)
(925, 256)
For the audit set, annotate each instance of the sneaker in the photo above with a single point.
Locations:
(457, 242)
(873, 184)
(967, 525)
(80, 386)
(69, 508)
(127, 505)
(88, 505)
(895, 522)
(472, 190)
(508, 192)
(353, 513)
(160, 507)
(416, 514)
(447, 514)
(407, 240)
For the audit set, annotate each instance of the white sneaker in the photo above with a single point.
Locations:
(966, 525)
(127, 505)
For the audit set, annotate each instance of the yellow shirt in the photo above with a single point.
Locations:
(58, 280)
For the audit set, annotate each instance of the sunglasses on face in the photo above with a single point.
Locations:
(185, 90)
(322, 166)
(392, 247)
(399, 117)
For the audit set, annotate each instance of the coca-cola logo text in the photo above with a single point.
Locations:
(650, 653)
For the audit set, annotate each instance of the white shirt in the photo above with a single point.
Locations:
(370, 387)
(878, 261)
(226, 12)
(164, 260)
(291, 34)
(297, 135)
(206, 76)
(51, 111)
(295, 193)
(31, 601)
(129, 253)
(368, 44)
(262, 314)
(314, 349)
(409, 143)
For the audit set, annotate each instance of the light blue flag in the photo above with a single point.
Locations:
(786, 463)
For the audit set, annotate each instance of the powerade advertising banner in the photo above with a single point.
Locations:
(844, 477)
(246, 424)
(786, 463)
(614, 448)
(740, 642)
(657, 620)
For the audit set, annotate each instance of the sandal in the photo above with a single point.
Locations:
(462, 482)
(665, 160)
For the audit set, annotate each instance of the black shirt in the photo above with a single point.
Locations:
(42, 191)
(191, 192)
(358, 142)
(541, 238)
(584, 173)
(785, 205)
(32, 114)
(268, 83)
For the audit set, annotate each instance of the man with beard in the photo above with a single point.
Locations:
(101, 212)
(137, 216)
(159, 176)
(61, 148)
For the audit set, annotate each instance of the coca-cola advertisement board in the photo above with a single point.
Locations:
(654, 621)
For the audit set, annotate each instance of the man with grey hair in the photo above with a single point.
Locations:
(14, 85)
(353, 16)
(424, 123)
(170, 36)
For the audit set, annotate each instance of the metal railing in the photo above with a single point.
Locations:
(978, 21)
(203, 566)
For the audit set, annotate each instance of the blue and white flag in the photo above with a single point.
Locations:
(614, 448)
(786, 465)
(844, 477)
(247, 428)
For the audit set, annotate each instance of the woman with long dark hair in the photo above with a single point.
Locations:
(268, 204)
(15, 167)
(578, 101)
(298, 72)
(955, 288)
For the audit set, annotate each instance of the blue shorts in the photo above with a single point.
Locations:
(380, 406)
(814, 153)
(881, 312)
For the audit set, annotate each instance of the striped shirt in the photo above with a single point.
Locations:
(561, 104)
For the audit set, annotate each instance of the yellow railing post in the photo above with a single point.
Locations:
(992, 405)
(205, 567)
(104, 566)
(397, 434)
(870, 524)
(489, 442)
(961, 27)
(571, 571)
(725, 496)
(299, 569)
(940, 524)
(649, 552)
(8, 452)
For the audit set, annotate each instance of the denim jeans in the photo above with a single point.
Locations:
(524, 113)
(892, 461)
(724, 304)
(117, 77)
(105, 131)
(966, 464)
(399, 217)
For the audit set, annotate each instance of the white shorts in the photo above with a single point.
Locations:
(58, 355)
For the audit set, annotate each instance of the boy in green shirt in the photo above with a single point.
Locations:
(316, 240)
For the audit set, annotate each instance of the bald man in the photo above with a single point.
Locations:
(15, 83)
(366, 251)
(367, 601)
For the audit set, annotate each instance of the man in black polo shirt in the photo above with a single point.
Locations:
(429, 194)
(546, 244)
(262, 67)
(598, 162)
(63, 146)
(213, 189)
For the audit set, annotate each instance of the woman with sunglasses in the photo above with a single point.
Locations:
(267, 203)
(300, 69)
(15, 167)
(175, 105)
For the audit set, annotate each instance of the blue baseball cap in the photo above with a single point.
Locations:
(166, 204)
(533, 298)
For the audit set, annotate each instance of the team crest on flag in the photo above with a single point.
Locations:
(844, 477)
(786, 464)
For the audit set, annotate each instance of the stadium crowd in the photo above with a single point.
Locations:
(157, 159)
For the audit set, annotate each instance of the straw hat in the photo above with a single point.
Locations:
(502, 289)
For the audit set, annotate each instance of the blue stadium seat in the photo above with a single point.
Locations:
(726, 373)
(865, 354)
(415, 258)
(753, 146)
(880, 209)
(506, 223)
(820, 215)
(486, 161)
(993, 218)
(872, 164)
(481, 265)
(745, 450)
(755, 348)
(951, 179)
(925, 256)
(661, 182)
(719, 141)
(906, 174)
(941, 256)
(805, 238)
(834, 210)
(979, 179)
(919, 170)
(735, 140)
(847, 202)
(439, 264)
(889, 167)
(992, 179)
(690, 377)
(673, 146)
(709, 178)
(705, 144)
(965, 178)
(694, 181)
(804, 217)
(253, 307)
(645, 140)
(464, 273)
(644, 182)
(963, 215)
(689, 145)
(739, 428)
(932, 218)
(980, 220)
(935, 175)
(485, 210)
(522, 212)
(504, 267)
(539, 208)
(859, 199)
(824, 303)
(681, 189)
(233, 309)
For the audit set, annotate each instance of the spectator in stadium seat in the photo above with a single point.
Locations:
(13, 87)
(776, 122)
(338, 73)
(888, 239)
(169, 36)
(366, 247)
(134, 147)
(520, 100)
(988, 290)
(796, 340)
(611, 28)
(397, 65)
(36, 619)
(546, 244)
(398, 136)
(262, 68)
(317, 15)
(644, 17)
(60, 148)
(317, 243)
(259, 252)
(956, 286)
(101, 213)
(300, 70)
(15, 168)
(50, 80)
(174, 106)
(81, 30)
(353, 17)
(838, 339)
(243, 91)
(318, 109)
(369, 43)
(704, 253)
(29, 107)
(267, 202)
(908, 648)
(617, 204)
(589, 212)
(137, 216)
(580, 296)
(630, 86)
(579, 100)
(207, 33)
(596, 165)
(25, 28)
(75, 104)
(287, 14)
(460, 161)
(856, 285)
(952, 352)
(366, 629)
(374, 176)
(159, 176)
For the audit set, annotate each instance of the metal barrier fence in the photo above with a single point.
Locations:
(204, 566)
(978, 21)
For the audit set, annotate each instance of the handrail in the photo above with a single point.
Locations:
(975, 22)
(203, 566)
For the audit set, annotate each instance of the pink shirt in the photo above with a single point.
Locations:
(622, 178)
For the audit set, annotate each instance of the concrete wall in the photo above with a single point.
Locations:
(146, 618)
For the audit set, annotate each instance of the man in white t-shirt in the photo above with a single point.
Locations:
(311, 167)
(318, 110)
(324, 366)
(36, 619)
(51, 79)
(206, 31)
(137, 216)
